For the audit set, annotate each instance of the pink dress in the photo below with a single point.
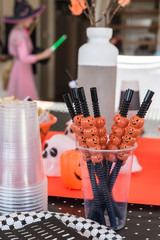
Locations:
(21, 81)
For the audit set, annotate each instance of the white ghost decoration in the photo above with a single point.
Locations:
(52, 151)
(68, 131)
(135, 165)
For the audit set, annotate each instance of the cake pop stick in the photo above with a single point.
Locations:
(136, 123)
(87, 123)
(96, 212)
(58, 42)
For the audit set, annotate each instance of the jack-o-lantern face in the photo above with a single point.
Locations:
(88, 122)
(81, 140)
(97, 157)
(80, 131)
(136, 122)
(132, 131)
(114, 139)
(120, 121)
(77, 120)
(86, 156)
(124, 146)
(83, 145)
(119, 132)
(103, 140)
(70, 169)
(122, 156)
(102, 131)
(100, 122)
(129, 140)
(92, 142)
(90, 132)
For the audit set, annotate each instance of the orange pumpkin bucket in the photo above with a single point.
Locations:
(44, 127)
(70, 169)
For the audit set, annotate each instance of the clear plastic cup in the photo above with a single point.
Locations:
(23, 186)
(106, 184)
(24, 199)
(20, 145)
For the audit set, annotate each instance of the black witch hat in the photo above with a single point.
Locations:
(23, 11)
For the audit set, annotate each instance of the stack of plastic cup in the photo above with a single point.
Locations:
(23, 186)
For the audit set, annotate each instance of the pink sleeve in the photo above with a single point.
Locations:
(23, 54)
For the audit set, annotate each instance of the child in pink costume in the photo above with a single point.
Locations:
(21, 81)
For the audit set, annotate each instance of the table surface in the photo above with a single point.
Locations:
(142, 223)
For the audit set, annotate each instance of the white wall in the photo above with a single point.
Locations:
(145, 70)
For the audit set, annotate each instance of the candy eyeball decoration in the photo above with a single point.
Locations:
(70, 129)
(52, 151)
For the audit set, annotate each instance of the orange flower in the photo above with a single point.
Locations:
(77, 6)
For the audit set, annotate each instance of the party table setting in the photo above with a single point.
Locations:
(143, 212)
(65, 207)
(78, 169)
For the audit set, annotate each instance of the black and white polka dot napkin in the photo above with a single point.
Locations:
(52, 226)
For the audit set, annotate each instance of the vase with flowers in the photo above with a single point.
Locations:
(97, 59)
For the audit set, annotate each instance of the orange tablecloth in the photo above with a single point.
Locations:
(144, 186)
